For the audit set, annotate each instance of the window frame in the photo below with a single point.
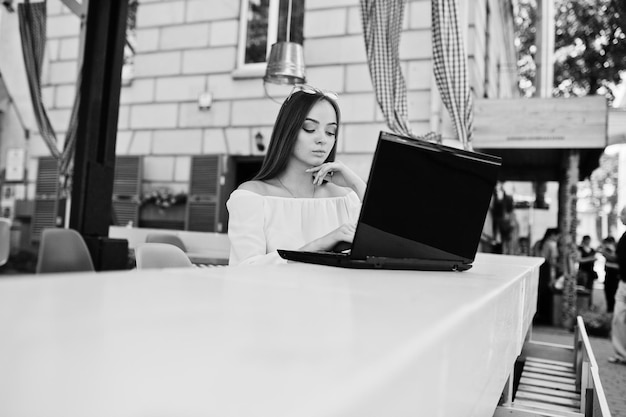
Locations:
(256, 69)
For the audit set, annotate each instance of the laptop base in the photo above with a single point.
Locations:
(373, 262)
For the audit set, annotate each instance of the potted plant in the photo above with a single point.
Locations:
(163, 209)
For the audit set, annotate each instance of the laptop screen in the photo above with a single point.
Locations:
(424, 201)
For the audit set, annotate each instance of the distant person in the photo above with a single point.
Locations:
(547, 249)
(586, 263)
(611, 272)
(523, 246)
(618, 325)
(505, 221)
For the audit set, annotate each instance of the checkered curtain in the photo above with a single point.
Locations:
(450, 68)
(32, 23)
(382, 24)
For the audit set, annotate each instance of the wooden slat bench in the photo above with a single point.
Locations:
(555, 380)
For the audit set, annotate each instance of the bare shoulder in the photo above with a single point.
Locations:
(258, 187)
(263, 188)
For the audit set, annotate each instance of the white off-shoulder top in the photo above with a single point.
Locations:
(259, 225)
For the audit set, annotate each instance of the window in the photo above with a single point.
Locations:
(263, 23)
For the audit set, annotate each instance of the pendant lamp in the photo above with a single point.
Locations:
(285, 64)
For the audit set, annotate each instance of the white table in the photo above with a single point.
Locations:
(286, 340)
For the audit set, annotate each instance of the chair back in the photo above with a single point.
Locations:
(166, 238)
(160, 255)
(63, 250)
(5, 240)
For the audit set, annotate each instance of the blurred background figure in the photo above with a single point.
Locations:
(546, 248)
(586, 262)
(618, 323)
(611, 272)
(506, 227)
(523, 246)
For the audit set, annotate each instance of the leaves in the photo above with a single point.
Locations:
(600, 190)
(590, 46)
(526, 16)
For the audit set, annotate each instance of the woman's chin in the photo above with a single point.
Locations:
(315, 162)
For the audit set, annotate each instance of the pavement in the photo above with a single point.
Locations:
(612, 376)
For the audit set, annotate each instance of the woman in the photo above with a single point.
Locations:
(301, 198)
(586, 264)
(611, 272)
(546, 248)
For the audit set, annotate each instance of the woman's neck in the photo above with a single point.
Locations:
(297, 182)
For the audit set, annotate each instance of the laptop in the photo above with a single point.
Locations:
(424, 209)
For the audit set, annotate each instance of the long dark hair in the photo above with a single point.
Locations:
(288, 123)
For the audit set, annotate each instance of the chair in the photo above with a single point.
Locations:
(160, 255)
(166, 238)
(63, 250)
(5, 240)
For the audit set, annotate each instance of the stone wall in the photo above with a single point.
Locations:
(188, 47)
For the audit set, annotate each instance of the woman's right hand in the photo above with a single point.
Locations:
(344, 233)
(339, 174)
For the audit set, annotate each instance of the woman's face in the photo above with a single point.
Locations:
(317, 135)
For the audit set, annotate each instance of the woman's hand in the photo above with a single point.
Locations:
(344, 233)
(339, 174)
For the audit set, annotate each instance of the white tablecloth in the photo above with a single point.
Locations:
(286, 340)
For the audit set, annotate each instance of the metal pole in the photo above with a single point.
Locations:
(289, 21)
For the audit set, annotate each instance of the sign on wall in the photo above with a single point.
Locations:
(15, 164)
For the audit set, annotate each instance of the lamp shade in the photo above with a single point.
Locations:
(285, 64)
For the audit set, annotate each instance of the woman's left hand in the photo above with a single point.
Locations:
(339, 174)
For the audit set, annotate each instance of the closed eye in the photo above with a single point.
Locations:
(310, 126)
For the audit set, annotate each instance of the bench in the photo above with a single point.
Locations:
(555, 380)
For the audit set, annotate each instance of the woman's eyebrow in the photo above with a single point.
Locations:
(317, 122)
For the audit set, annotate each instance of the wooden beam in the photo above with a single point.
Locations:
(544, 42)
(541, 123)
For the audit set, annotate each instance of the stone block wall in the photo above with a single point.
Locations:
(188, 47)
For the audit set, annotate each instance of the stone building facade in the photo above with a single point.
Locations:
(185, 49)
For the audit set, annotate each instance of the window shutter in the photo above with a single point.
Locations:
(46, 207)
(201, 216)
(203, 202)
(126, 190)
